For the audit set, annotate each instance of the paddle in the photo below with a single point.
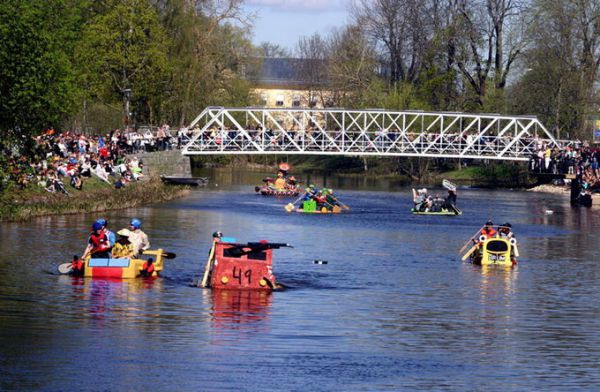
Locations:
(211, 254)
(65, 268)
(466, 256)
(290, 206)
(166, 255)
(469, 241)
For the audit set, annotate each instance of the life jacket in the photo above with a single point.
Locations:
(99, 242)
(320, 199)
(77, 266)
(147, 269)
(489, 233)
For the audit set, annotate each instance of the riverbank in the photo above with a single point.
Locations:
(562, 190)
(96, 196)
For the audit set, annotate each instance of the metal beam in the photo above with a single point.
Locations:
(228, 131)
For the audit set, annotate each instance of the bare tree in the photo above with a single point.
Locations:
(489, 38)
(312, 66)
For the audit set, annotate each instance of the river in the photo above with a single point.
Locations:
(393, 309)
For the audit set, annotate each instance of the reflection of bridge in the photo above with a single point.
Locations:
(219, 130)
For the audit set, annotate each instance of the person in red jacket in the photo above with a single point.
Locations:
(488, 230)
(98, 243)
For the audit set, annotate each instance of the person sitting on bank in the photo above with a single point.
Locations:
(488, 230)
(137, 237)
(98, 243)
(123, 248)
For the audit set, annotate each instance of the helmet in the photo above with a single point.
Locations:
(96, 226)
(311, 186)
(136, 223)
(217, 234)
(507, 225)
(103, 222)
(489, 223)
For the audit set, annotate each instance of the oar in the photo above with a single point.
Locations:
(208, 265)
(342, 204)
(65, 268)
(166, 255)
(290, 206)
(469, 241)
(466, 256)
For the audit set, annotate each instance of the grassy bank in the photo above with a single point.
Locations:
(17, 205)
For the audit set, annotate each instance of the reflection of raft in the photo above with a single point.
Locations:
(268, 191)
(442, 212)
(120, 268)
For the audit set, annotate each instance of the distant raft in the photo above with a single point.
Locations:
(443, 212)
(268, 191)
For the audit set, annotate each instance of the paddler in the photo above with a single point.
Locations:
(331, 199)
(137, 237)
(98, 243)
(309, 192)
(123, 248)
(488, 230)
(280, 182)
(321, 200)
(505, 231)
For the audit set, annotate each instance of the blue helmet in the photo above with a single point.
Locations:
(96, 226)
(136, 223)
(102, 222)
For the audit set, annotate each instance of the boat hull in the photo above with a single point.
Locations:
(116, 268)
(267, 191)
(443, 212)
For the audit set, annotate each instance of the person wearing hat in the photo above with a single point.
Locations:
(310, 192)
(137, 237)
(505, 231)
(488, 229)
(123, 248)
(98, 243)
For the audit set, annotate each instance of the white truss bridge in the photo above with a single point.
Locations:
(227, 130)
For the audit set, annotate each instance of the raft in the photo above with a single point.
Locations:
(236, 266)
(444, 212)
(335, 210)
(268, 191)
(120, 268)
(496, 250)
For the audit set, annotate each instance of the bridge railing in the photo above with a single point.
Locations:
(376, 133)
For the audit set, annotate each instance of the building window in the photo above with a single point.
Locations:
(296, 101)
(263, 99)
(279, 100)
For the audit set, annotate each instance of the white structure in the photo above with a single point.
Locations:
(220, 130)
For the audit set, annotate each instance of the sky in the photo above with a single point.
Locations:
(283, 22)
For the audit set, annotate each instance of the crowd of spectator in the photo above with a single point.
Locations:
(578, 159)
(61, 160)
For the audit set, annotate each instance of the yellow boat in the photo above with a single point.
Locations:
(120, 268)
(495, 250)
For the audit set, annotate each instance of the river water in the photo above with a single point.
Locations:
(393, 309)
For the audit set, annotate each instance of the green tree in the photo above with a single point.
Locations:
(123, 51)
(36, 77)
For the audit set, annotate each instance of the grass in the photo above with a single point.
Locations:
(96, 196)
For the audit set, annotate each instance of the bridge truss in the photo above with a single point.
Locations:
(221, 130)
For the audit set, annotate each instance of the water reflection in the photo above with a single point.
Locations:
(246, 310)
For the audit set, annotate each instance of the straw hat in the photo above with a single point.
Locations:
(124, 232)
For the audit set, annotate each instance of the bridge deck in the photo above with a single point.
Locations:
(219, 130)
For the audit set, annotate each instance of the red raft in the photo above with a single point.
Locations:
(241, 266)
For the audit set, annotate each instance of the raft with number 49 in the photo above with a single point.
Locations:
(122, 268)
(236, 266)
